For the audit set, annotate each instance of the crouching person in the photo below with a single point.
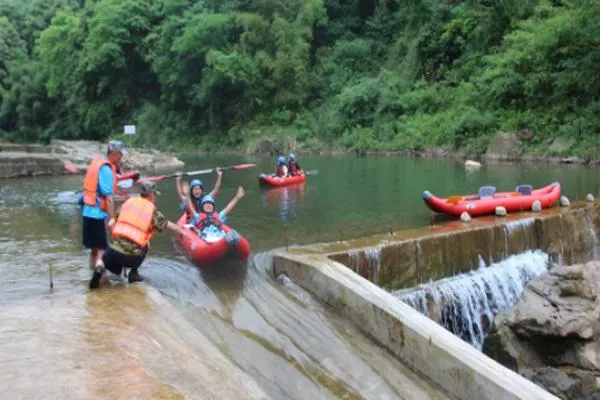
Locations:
(136, 223)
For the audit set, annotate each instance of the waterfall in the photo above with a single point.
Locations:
(592, 231)
(514, 226)
(373, 256)
(467, 303)
(353, 256)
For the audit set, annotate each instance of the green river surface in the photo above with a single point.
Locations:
(277, 334)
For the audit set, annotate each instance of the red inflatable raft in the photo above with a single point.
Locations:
(276, 181)
(487, 200)
(202, 252)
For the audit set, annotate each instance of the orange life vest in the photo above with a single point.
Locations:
(135, 221)
(205, 220)
(90, 182)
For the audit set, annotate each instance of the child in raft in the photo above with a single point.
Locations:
(208, 221)
(282, 169)
(293, 167)
(194, 193)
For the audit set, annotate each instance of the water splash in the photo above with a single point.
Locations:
(467, 304)
(373, 256)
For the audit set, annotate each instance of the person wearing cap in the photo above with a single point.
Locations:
(131, 232)
(99, 186)
(190, 197)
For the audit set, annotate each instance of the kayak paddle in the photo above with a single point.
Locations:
(129, 182)
(312, 172)
(71, 168)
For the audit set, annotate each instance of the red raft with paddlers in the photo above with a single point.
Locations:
(486, 201)
(278, 181)
(202, 252)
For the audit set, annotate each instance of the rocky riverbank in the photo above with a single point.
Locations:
(552, 336)
(34, 160)
(504, 146)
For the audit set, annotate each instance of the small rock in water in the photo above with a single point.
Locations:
(590, 198)
(465, 217)
(536, 206)
(564, 201)
(501, 211)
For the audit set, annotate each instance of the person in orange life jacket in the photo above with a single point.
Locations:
(208, 221)
(191, 203)
(282, 169)
(293, 166)
(99, 185)
(131, 232)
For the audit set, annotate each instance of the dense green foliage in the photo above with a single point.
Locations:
(364, 74)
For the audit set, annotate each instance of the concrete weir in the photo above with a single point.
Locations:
(342, 276)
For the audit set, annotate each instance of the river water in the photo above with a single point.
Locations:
(273, 336)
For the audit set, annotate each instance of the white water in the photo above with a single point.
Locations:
(467, 304)
(514, 226)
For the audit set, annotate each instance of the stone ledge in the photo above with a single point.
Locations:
(416, 340)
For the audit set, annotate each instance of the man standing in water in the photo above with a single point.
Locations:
(99, 185)
(136, 224)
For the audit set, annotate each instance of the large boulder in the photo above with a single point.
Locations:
(504, 146)
(552, 336)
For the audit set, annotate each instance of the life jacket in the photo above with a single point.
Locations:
(90, 182)
(293, 168)
(135, 221)
(281, 170)
(206, 220)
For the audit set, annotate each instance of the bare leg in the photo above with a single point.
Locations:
(93, 258)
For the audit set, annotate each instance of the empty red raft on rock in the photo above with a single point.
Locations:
(202, 252)
(276, 181)
(486, 201)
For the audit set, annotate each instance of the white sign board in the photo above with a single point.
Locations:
(129, 129)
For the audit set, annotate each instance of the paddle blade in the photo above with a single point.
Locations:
(72, 169)
(312, 172)
(243, 166)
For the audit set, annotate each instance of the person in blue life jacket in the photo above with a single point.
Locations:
(293, 166)
(282, 169)
(208, 221)
(194, 193)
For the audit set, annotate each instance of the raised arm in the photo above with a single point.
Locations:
(180, 195)
(217, 187)
(240, 193)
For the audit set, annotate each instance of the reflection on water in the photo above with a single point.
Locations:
(285, 199)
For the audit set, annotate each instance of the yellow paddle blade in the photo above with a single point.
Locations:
(454, 199)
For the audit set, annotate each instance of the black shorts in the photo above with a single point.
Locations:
(94, 233)
(115, 261)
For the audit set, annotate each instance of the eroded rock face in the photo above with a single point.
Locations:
(553, 335)
(504, 146)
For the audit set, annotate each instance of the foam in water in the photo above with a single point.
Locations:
(467, 304)
(373, 256)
